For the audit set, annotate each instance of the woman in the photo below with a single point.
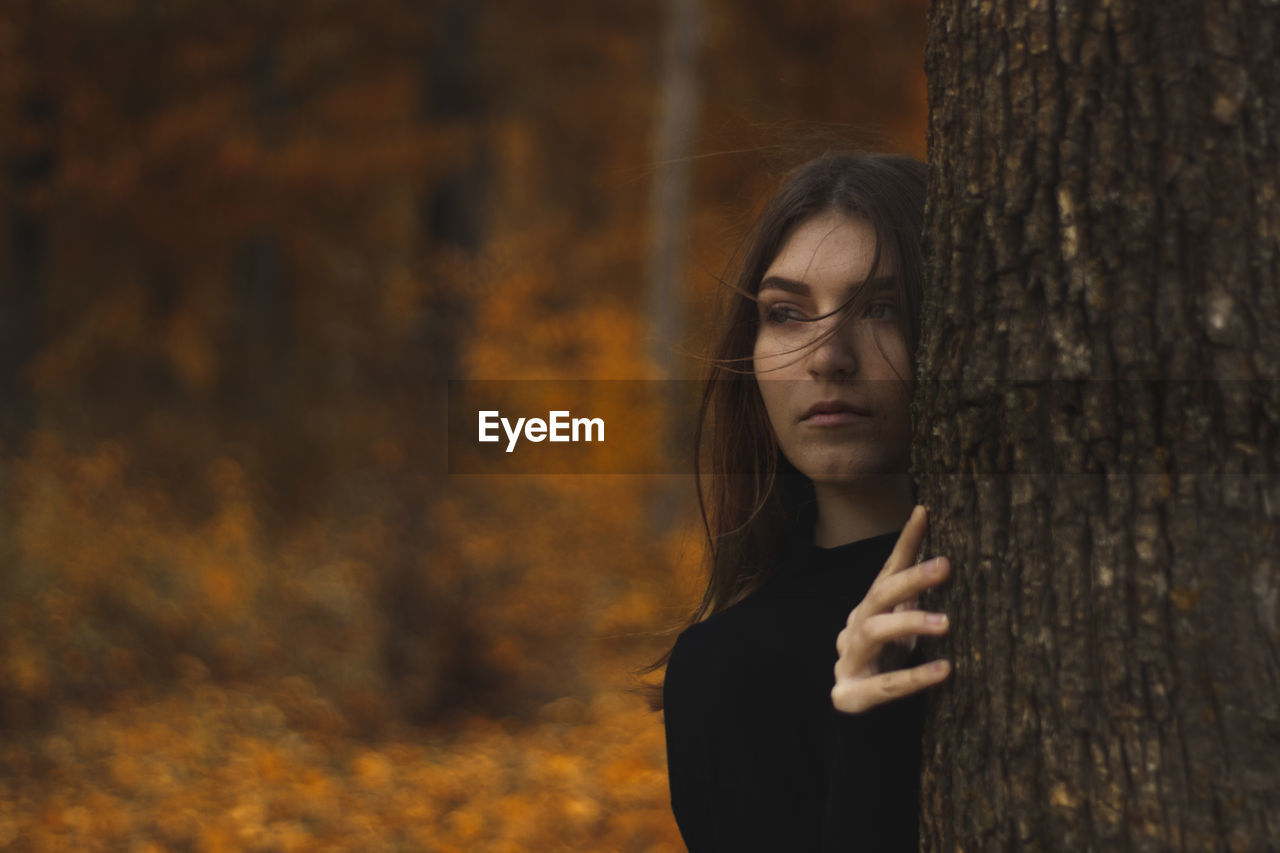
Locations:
(808, 414)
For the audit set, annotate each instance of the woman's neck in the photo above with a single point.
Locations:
(848, 512)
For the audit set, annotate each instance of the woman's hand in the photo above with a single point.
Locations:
(889, 614)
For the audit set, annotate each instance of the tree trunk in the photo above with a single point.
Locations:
(260, 371)
(31, 166)
(672, 177)
(1099, 449)
(430, 650)
(678, 97)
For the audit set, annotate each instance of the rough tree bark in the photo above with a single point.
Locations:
(1099, 451)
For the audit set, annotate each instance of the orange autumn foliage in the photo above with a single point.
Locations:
(208, 769)
(245, 607)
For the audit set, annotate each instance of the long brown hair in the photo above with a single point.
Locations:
(751, 498)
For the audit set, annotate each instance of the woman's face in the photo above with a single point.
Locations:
(839, 406)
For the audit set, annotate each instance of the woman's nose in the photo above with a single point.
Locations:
(834, 351)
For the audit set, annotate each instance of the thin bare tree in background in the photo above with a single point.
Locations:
(677, 125)
(31, 160)
(259, 373)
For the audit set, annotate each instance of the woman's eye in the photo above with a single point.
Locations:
(779, 315)
(881, 311)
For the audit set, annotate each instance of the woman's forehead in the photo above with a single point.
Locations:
(828, 251)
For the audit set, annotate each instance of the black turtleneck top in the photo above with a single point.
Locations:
(759, 760)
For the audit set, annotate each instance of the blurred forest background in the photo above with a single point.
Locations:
(245, 245)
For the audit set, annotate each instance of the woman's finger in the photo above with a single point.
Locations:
(890, 590)
(859, 646)
(855, 695)
(886, 627)
(909, 541)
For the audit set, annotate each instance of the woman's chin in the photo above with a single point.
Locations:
(845, 471)
(859, 479)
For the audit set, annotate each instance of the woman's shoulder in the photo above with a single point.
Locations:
(713, 661)
(712, 632)
(723, 634)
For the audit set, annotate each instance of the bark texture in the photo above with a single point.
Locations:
(1099, 451)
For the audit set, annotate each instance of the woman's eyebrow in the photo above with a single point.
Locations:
(790, 285)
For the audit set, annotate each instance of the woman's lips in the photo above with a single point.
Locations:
(830, 419)
(833, 413)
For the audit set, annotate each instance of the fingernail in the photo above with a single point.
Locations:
(940, 666)
(934, 566)
(936, 618)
